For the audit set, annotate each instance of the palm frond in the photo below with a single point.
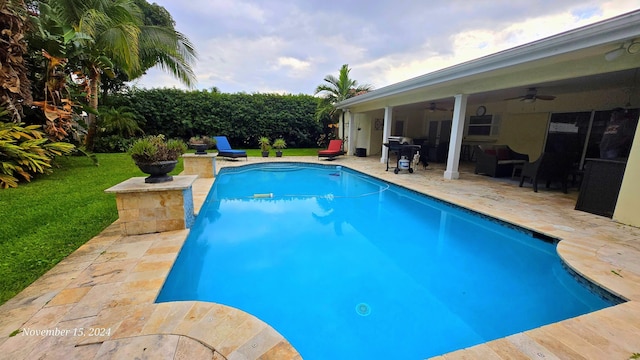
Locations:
(169, 49)
(121, 44)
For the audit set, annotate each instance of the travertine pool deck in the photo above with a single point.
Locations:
(99, 302)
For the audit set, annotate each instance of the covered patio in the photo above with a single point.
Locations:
(518, 97)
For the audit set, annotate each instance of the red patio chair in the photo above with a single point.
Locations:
(334, 149)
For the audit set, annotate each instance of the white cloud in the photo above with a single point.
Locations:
(289, 47)
(297, 68)
(475, 43)
(237, 10)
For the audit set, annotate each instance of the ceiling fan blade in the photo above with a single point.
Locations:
(515, 98)
(432, 107)
(545, 97)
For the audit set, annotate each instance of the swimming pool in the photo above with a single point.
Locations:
(343, 264)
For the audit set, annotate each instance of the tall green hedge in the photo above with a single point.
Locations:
(243, 118)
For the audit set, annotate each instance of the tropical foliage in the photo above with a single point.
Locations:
(279, 144)
(122, 121)
(243, 118)
(88, 40)
(264, 143)
(58, 51)
(335, 90)
(202, 140)
(26, 151)
(154, 148)
(14, 84)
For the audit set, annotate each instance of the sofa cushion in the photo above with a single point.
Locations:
(505, 162)
(503, 153)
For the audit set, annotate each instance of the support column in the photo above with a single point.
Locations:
(455, 141)
(386, 132)
(351, 150)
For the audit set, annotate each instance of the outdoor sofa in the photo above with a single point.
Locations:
(498, 160)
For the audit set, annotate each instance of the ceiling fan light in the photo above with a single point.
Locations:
(614, 54)
(633, 48)
(529, 99)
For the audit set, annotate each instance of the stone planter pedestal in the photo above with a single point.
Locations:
(148, 208)
(202, 165)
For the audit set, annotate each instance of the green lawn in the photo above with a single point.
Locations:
(47, 219)
(285, 152)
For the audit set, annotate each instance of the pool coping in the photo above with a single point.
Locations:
(111, 282)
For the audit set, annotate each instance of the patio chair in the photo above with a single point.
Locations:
(225, 150)
(550, 167)
(334, 149)
(497, 160)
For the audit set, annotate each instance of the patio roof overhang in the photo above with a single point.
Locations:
(572, 61)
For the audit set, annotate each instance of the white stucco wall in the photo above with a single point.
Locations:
(628, 205)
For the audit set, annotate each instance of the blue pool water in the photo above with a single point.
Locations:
(349, 267)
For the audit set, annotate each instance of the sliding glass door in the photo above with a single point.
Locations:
(579, 133)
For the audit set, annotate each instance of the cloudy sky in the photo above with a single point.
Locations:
(289, 46)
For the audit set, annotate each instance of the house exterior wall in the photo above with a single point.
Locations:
(362, 137)
(524, 133)
(626, 210)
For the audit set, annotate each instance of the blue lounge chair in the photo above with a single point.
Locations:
(224, 149)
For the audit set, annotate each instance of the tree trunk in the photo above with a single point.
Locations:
(92, 124)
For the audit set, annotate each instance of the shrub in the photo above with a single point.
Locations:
(243, 118)
(25, 151)
(112, 144)
(202, 140)
(265, 143)
(154, 148)
(279, 143)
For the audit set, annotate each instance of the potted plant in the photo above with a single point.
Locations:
(265, 145)
(201, 144)
(157, 156)
(279, 144)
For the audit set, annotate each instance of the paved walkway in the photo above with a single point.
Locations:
(99, 301)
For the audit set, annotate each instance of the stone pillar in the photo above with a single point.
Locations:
(148, 208)
(202, 165)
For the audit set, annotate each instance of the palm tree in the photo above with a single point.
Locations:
(160, 44)
(122, 121)
(170, 49)
(336, 90)
(113, 36)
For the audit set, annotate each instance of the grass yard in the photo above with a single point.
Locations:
(285, 152)
(49, 218)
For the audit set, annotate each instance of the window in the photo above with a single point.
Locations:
(485, 125)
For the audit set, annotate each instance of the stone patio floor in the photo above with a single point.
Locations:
(99, 302)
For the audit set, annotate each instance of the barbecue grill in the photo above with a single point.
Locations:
(404, 155)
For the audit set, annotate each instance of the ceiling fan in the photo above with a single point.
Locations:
(433, 107)
(532, 95)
